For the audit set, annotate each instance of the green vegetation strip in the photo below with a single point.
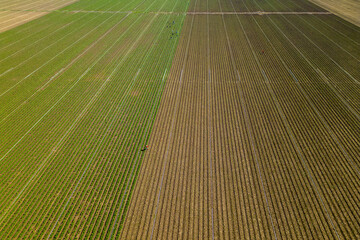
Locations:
(81, 121)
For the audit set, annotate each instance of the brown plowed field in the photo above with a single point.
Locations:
(256, 137)
(15, 13)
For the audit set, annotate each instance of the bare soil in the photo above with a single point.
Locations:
(14, 15)
(347, 9)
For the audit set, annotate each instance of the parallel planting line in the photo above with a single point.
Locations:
(37, 4)
(327, 37)
(291, 134)
(37, 91)
(142, 167)
(171, 129)
(326, 80)
(249, 127)
(347, 24)
(23, 5)
(104, 53)
(326, 125)
(158, 94)
(44, 64)
(322, 75)
(48, 110)
(65, 68)
(136, 157)
(189, 12)
(336, 30)
(167, 152)
(81, 77)
(30, 45)
(34, 33)
(93, 156)
(104, 84)
(347, 169)
(324, 23)
(8, 27)
(58, 40)
(210, 128)
(115, 118)
(147, 127)
(11, 19)
(48, 26)
(9, 70)
(336, 63)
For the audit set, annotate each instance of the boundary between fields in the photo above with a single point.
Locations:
(187, 13)
(160, 93)
(170, 137)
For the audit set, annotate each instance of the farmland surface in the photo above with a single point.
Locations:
(347, 9)
(15, 13)
(250, 111)
(79, 94)
(257, 135)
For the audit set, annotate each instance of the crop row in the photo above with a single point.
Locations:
(90, 130)
(34, 5)
(252, 6)
(16, 13)
(305, 124)
(113, 5)
(277, 149)
(18, 94)
(311, 132)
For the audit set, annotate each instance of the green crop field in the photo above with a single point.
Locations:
(167, 119)
(79, 92)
